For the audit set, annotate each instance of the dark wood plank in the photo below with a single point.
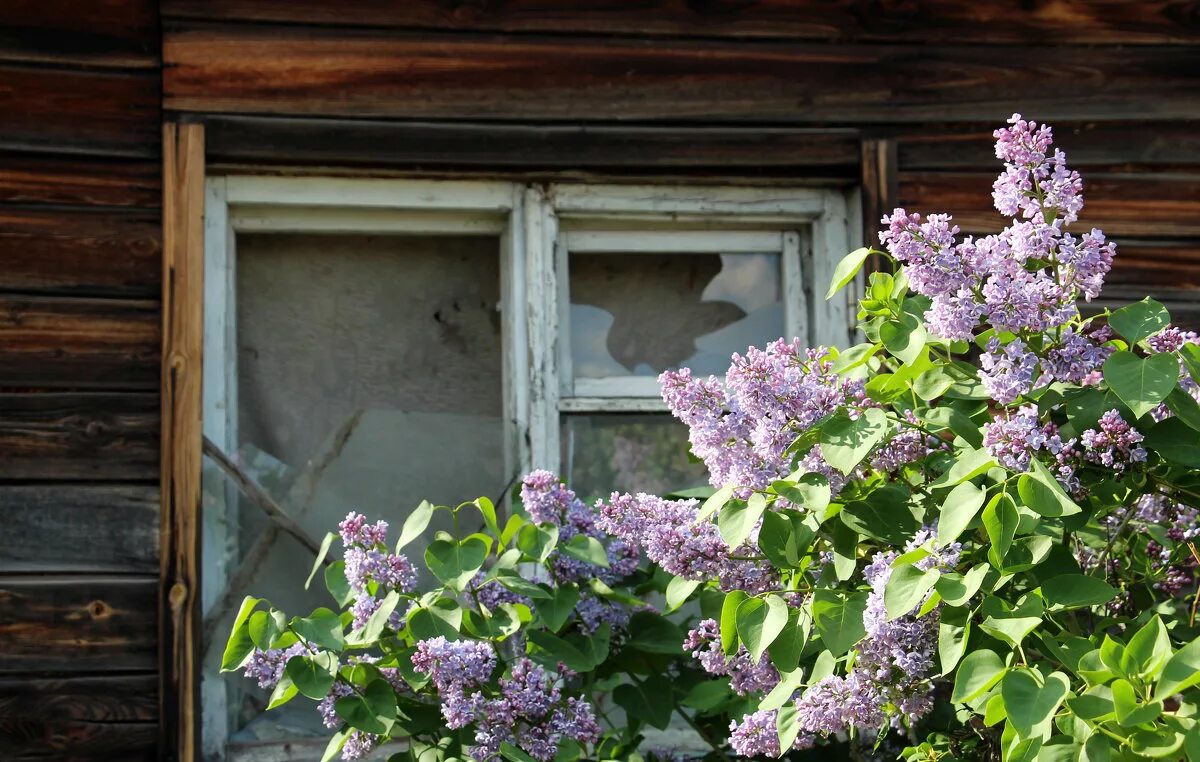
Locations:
(79, 528)
(78, 719)
(1161, 206)
(79, 343)
(1154, 265)
(795, 152)
(79, 180)
(78, 624)
(945, 21)
(94, 437)
(120, 33)
(80, 251)
(182, 435)
(336, 72)
(1111, 146)
(96, 112)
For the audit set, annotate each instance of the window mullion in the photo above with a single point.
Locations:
(541, 233)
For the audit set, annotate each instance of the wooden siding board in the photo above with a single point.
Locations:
(77, 111)
(79, 181)
(78, 624)
(78, 718)
(84, 251)
(78, 343)
(529, 147)
(336, 72)
(104, 33)
(88, 437)
(79, 528)
(930, 21)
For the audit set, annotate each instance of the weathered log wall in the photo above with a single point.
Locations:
(80, 232)
(896, 97)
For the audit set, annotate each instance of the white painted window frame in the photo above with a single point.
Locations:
(538, 226)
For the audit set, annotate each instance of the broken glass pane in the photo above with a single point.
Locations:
(642, 452)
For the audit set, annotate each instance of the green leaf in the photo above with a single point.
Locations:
(883, 515)
(537, 542)
(1190, 354)
(1140, 320)
(587, 549)
(431, 621)
(968, 465)
(679, 590)
(839, 618)
(785, 538)
(488, 511)
(957, 589)
(781, 694)
(378, 620)
(520, 585)
(1174, 440)
(335, 582)
(954, 630)
(715, 502)
(554, 611)
(1150, 647)
(651, 700)
(372, 712)
(845, 441)
(738, 519)
(1000, 519)
(285, 690)
(455, 563)
(759, 622)
(945, 417)
(324, 551)
(1181, 671)
(787, 726)
(322, 628)
(312, 675)
(977, 673)
(1141, 383)
(1042, 493)
(811, 491)
(1130, 712)
(1155, 744)
(1073, 591)
(595, 646)
(240, 644)
(514, 754)
(415, 523)
(335, 744)
(1030, 704)
(958, 509)
(654, 634)
(265, 626)
(1185, 407)
(846, 270)
(560, 650)
(1011, 624)
(787, 649)
(906, 589)
(729, 607)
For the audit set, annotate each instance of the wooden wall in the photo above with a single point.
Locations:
(80, 190)
(898, 97)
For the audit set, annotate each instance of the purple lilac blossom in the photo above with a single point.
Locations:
(1113, 444)
(745, 676)
(1014, 438)
(267, 666)
(1008, 372)
(756, 736)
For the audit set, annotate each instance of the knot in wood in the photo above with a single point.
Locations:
(178, 595)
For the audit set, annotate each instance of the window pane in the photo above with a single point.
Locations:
(368, 379)
(647, 452)
(640, 314)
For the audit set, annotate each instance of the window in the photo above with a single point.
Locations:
(369, 343)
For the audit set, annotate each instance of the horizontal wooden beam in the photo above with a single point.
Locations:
(762, 151)
(39, 178)
(78, 624)
(277, 69)
(84, 718)
(79, 528)
(74, 436)
(98, 33)
(1064, 21)
(79, 343)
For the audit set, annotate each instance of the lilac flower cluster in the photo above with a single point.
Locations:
(672, 537)
(745, 675)
(908, 445)
(359, 743)
(267, 666)
(1015, 438)
(1114, 444)
(370, 569)
(743, 432)
(527, 710)
(756, 736)
(1024, 280)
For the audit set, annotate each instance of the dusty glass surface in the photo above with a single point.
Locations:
(644, 452)
(368, 378)
(640, 314)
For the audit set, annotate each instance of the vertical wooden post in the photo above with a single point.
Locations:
(880, 189)
(183, 341)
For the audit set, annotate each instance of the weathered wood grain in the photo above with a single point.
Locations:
(83, 251)
(1149, 264)
(182, 432)
(96, 437)
(1063, 21)
(79, 528)
(1133, 206)
(111, 33)
(79, 343)
(78, 719)
(530, 147)
(78, 624)
(1097, 145)
(79, 180)
(79, 111)
(267, 69)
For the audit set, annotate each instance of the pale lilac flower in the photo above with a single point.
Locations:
(1113, 444)
(356, 531)
(1008, 372)
(267, 666)
(745, 675)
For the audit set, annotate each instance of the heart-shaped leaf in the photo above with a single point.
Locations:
(1141, 383)
(1030, 702)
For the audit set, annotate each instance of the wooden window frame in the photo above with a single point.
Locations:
(537, 226)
